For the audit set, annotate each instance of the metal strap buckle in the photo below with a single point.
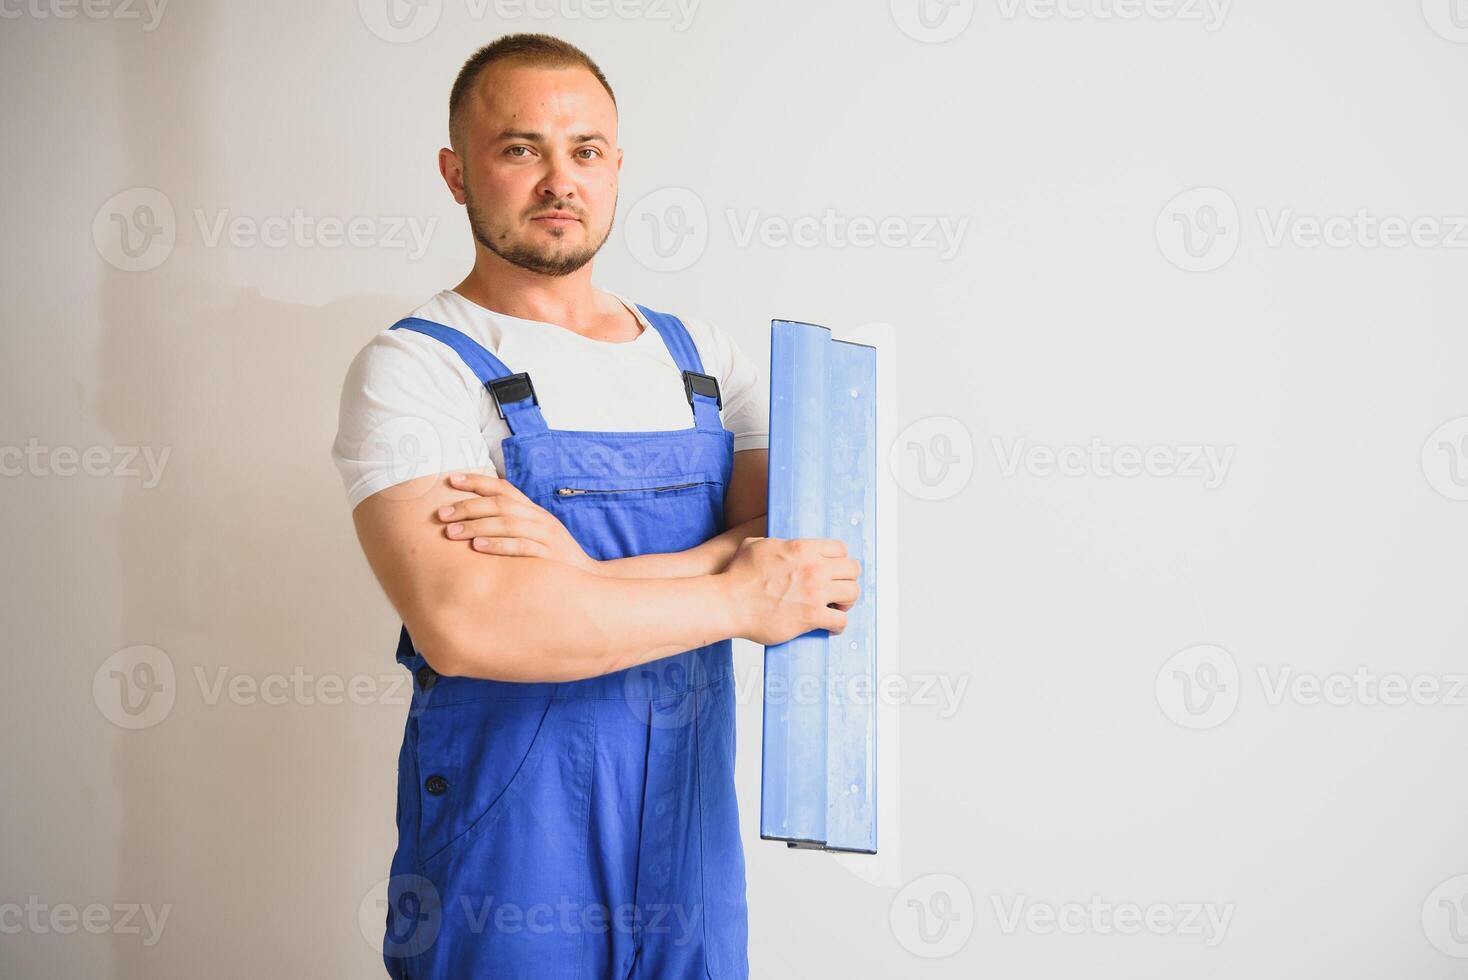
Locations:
(702, 384)
(511, 388)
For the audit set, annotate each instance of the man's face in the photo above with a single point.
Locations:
(538, 165)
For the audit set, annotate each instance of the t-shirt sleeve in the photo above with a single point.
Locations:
(746, 411)
(406, 411)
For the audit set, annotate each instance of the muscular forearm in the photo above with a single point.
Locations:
(547, 621)
(709, 558)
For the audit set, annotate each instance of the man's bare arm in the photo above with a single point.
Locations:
(535, 619)
(500, 520)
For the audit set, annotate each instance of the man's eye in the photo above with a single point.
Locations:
(512, 150)
(589, 149)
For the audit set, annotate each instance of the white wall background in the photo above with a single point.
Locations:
(1331, 835)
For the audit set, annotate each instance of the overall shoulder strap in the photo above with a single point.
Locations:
(513, 394)
(702, 389)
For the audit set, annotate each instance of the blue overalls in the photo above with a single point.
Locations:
(585, 829)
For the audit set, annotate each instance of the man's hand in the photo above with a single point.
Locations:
(503, 521)
(780, 589)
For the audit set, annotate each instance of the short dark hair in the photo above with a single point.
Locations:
(534, 50)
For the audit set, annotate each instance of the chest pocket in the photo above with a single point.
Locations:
(618, 521)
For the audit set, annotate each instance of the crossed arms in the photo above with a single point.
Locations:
(511, 596)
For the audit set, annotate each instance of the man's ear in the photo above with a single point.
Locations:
(453, 172)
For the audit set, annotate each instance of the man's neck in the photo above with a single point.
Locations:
(570, 301)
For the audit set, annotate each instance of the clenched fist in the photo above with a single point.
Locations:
(780, 588)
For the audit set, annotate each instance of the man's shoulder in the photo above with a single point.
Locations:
(394, 354)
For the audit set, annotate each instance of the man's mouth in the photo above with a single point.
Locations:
(557, 219)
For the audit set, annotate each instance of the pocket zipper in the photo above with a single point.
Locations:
(569, 491)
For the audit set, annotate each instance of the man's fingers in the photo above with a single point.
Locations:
(845, 568)
(831, 620)
(474, 482)
(844, 590)
(493, 505)
(511, 547)
(499, 525)
(830, 547)
(486, 484)
(470, 508)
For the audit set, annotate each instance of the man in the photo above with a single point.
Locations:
(570, 567)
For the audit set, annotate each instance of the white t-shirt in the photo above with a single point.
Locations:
(410, 407)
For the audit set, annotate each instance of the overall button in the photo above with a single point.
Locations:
(426, 677)
(436, 785)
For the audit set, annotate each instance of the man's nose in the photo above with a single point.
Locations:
(557, 182)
